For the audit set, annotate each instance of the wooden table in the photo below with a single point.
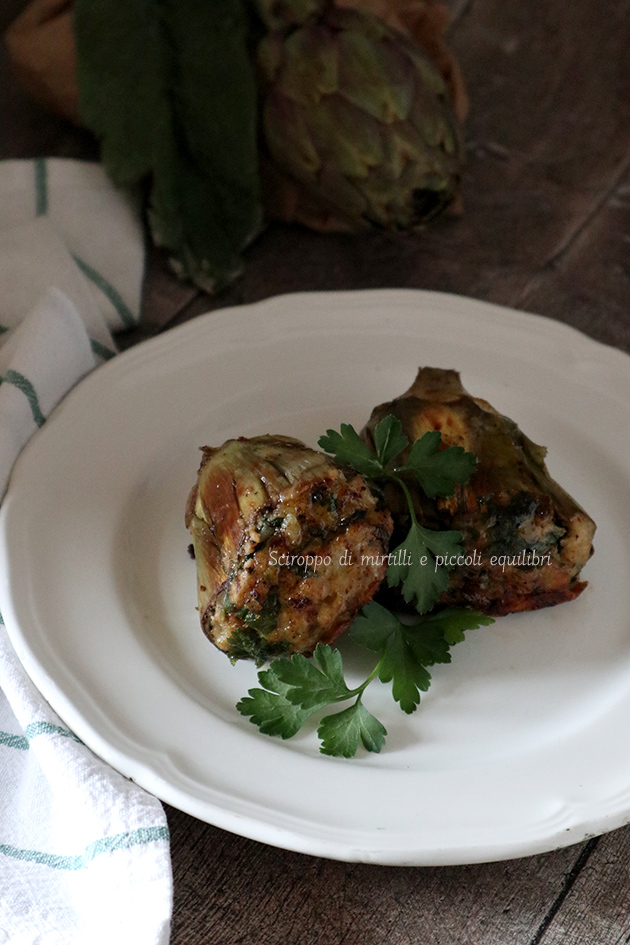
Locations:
(546, 228)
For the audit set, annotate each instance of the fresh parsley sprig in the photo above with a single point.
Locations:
(420, 563)
(294, 689)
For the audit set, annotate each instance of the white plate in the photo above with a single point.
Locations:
(521, 744)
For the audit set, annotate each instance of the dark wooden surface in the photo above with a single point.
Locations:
(546, 228)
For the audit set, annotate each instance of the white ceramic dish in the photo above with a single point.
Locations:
(521, 744)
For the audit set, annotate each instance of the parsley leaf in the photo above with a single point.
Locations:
(373, 627)
(294, 688)
(269, 708)
(423, 581)
(349, 449)
(406, 650)
(452, 622)
(312, 684)
(340, 733)
(389, 439)
(408, 674)
(439, 470)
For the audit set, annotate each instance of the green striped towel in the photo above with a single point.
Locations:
(84, 853)
(98, 224)
(71, 269)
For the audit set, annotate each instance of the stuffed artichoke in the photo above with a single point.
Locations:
(275, 527)
(526, 539)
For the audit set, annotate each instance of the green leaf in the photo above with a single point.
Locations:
(400, 664)
(439, 470)
(413, 648)
(270, 710)
(389, 439)
(451, 623)
(428, 642)
(313, 684)
(349, 450)
(373, 627)
(295, 688)
(328, 661)
(169, 90)
(417, 568)
(406, 651)
(340, 733)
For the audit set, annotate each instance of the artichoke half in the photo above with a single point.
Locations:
(525, 538)
(288, 546)
(358, 116)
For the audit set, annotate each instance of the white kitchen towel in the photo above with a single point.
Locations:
(40, 360)
(100, 226)
(33, 257)
(84, 852)
(71, 244)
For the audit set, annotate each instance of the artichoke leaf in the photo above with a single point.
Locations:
(366, 81)
(316, 71)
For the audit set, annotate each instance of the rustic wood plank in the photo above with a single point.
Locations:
(569, 882)
(236, 891)
(588, 284)
(549, 130)
(597, 909)
(8, 12)
(164, 296)
(548, 137)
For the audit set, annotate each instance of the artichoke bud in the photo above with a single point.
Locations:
(531, 538)
(359, 116)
